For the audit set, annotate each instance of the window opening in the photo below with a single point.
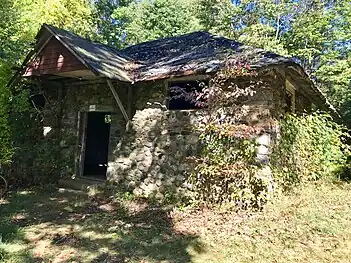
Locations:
(186, 95)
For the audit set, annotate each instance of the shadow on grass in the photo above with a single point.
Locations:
(97, 230)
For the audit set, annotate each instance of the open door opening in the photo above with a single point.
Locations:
(97, 141)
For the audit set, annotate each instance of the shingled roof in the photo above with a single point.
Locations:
(194, 53)
(198, 52)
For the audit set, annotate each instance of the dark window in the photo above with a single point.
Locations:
(38, 101)
(186, 95)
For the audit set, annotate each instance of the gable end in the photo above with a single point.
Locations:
(54, 59)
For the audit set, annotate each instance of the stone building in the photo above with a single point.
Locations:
(109, 115)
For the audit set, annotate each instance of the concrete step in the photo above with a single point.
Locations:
(82, 184)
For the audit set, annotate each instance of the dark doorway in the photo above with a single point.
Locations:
(97, 140)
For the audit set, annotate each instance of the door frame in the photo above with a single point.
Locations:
(82, 124)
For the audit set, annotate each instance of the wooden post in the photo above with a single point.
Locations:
(119, 102)
(129, 108)
(83, 125)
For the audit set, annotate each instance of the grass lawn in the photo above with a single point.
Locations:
(57, 225)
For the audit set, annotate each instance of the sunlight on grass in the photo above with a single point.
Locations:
(313, 224)
(96, 236)
(25, 192)
(19, 217)
(12, 248)
(4, 202)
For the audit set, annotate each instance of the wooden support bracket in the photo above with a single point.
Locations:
(119, 102)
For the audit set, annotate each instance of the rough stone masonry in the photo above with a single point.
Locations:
(149, 158)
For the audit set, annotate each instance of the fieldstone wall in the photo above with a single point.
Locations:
(77, 99)
(149, 158)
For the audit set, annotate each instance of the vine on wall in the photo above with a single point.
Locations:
(310, 146)
(227, 171)
(35, 159)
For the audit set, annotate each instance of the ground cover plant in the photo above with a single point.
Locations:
(311, 224)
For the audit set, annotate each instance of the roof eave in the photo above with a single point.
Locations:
(322, 97)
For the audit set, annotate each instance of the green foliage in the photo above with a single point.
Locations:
(8, 27)
(72, 15)
(107, 32)
(20, 22)
(214, 15)
(6, 150)
(309, 147)
(148, 20)
(38, 156)
(259, 23)
(227, 171)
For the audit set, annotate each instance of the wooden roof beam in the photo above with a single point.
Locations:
(119, 103)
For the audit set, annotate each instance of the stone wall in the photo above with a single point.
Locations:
(149, 158)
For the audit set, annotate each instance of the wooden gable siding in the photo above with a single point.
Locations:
(55, 58)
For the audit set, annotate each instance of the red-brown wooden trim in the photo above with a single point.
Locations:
(53, 59)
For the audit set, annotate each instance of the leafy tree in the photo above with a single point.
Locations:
(148, 20)
(72, 15)
(20, 22)
(108, 29)
(8, 27)
(215, 15)
(261, 23)
(320, 38)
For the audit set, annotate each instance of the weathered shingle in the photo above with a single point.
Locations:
(194, 53)
(101, 59)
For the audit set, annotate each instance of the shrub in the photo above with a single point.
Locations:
(6, 149)
(226, 171)
(308, 147)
